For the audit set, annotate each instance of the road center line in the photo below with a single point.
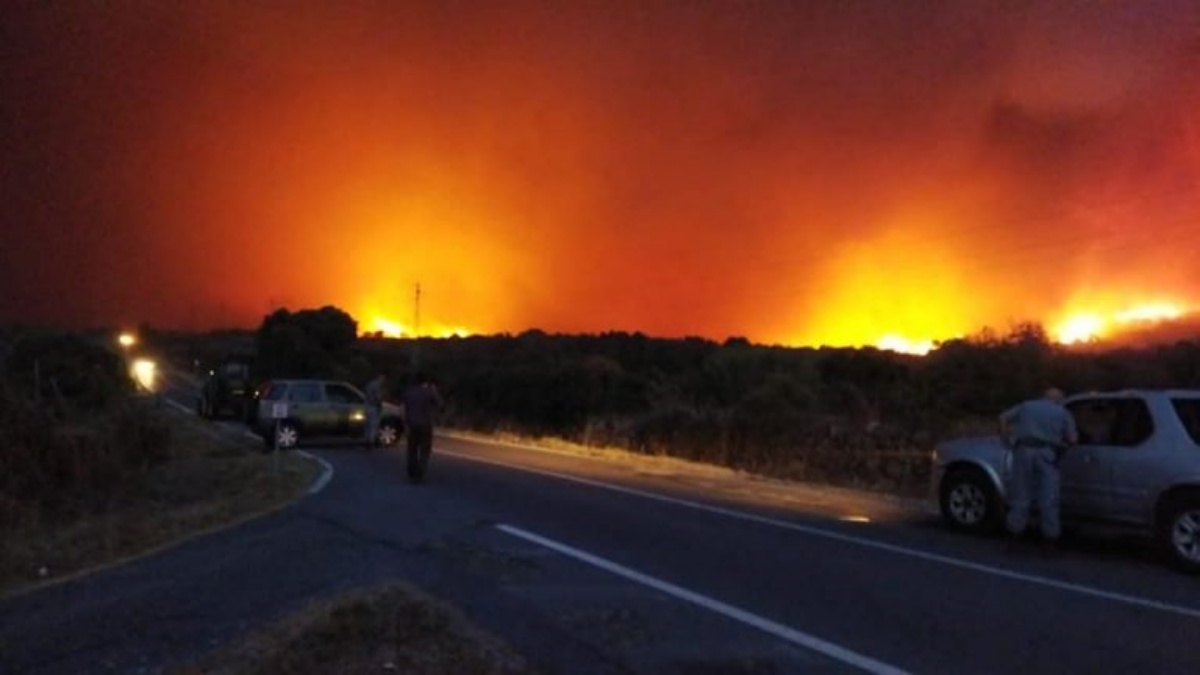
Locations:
(1089, 591)
(781, 631)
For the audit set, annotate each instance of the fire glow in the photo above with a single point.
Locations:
(395, 330)
(1078, 327)
(1089, 326)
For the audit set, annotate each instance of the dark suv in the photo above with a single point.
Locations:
(290, 411)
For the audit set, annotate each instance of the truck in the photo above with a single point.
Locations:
(227, 389)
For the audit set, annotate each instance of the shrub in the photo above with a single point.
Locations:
(56, 465)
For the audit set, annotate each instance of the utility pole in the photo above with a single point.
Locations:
(417, 330)
(417, 311)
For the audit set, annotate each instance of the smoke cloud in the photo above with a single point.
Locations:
(798, 173)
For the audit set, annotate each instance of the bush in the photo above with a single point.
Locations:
(55, 465)
(67, 369)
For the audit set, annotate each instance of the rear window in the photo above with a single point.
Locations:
(339, 393)
(305, 392)
(1188, 410)
(274, 392)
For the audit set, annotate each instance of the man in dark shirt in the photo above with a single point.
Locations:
(421, 404)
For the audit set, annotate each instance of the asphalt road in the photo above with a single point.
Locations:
(595, 565)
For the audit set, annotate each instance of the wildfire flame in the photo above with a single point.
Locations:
(903, 345)
(396, 329)
(1086, 326)
(1077, 327)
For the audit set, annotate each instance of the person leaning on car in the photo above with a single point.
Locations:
(1038, 431)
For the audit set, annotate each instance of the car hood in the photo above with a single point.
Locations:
(392, 409)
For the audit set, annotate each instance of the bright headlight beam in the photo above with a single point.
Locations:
(145, 373)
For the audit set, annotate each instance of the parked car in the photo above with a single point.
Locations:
(293, 411)
(1137, 465)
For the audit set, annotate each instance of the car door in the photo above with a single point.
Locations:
(1114, 435)
(1136, 463)
(306, 405)
(1084, 479)
(350, 408)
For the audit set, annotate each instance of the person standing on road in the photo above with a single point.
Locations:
(1038, 431)
(375, 393)
(421, 404)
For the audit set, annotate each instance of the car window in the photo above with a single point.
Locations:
(274, 392)
(1112, 421)
(305, 392)
(1188, 410)
(340, 393)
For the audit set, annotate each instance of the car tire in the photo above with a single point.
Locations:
(1179, 532)
(969, 501)
(388, 434)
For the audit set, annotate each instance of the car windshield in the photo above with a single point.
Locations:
(234, 370)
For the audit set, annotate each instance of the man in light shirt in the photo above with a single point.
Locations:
(1038, 431)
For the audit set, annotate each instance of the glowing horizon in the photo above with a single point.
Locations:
(813, 176)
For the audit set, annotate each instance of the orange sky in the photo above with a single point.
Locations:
(799, 173)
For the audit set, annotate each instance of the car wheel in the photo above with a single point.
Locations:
(1179, 533)
(287, 436)
(389, 434)
(969, 501)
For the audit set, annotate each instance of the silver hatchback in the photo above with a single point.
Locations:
(292, 411)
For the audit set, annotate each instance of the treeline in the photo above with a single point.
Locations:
(852, 416)
(857, 416)
(75, 438)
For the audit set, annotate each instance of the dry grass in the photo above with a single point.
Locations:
(393, 629)
(206, 481)
(902, 473)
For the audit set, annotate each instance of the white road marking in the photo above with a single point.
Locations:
(326, 472)
(326, 468)
(179, 406)
(1132, 600)
(778, 630)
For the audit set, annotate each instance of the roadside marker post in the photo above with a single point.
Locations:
(279, 411)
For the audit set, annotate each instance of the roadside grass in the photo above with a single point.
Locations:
(894, 473)
(205, 481)
(394, 628)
